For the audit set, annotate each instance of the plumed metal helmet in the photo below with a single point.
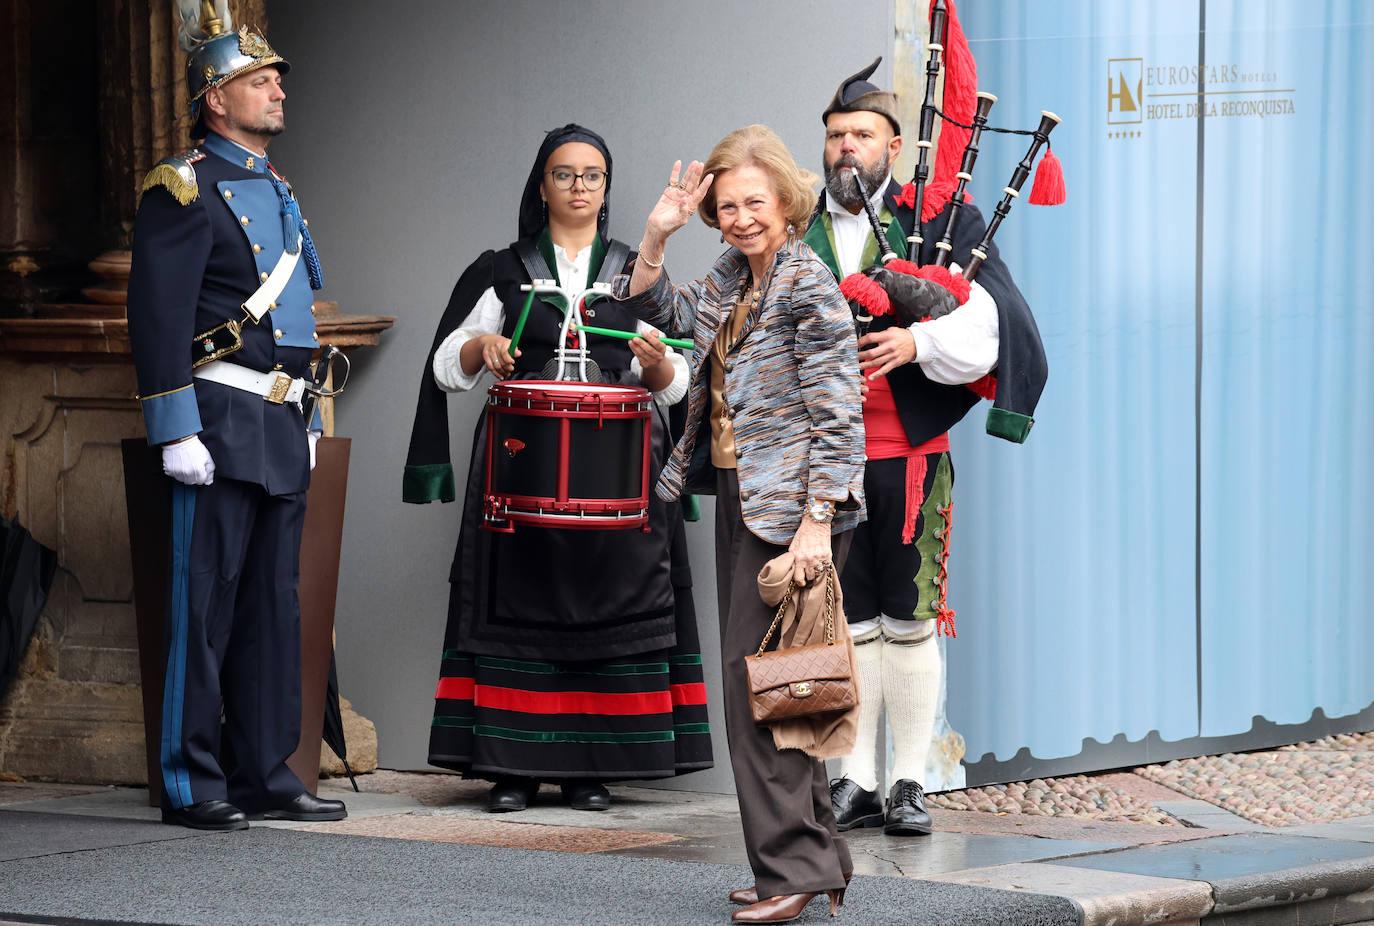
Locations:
(216, 55)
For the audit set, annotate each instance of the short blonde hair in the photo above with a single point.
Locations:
(760, 146)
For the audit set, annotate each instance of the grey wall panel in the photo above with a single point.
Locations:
(411, 129)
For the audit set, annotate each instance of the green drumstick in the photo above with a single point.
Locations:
(679, 343)
(520, 323)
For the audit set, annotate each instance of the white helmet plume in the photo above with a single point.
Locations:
(191, 31)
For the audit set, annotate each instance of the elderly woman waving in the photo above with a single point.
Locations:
(775, 431)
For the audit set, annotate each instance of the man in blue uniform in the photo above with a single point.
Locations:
(222, 329)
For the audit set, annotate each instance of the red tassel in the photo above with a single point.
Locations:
(960, 102)
(944, 625)
(907, 198)
(897, 265)
(953, 282)
(866, 292)
(1048, 189)
(915, 495)
(985, 387)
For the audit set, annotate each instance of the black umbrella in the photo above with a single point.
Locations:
(333, 721)
(26, 573)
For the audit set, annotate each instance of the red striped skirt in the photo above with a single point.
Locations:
(638, 717)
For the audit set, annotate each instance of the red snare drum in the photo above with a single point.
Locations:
(570, 455)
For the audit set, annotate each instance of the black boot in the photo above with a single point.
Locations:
(906, 811)
(582, 794)
(305, 808)
(853, 806)
(511, 794)
(207, 815)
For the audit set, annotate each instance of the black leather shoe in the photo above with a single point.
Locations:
(511, 794)
(586, 795)
(307, 808)
(906, 811)
(207, 815)
(853, 806)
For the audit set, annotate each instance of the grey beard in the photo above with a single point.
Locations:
(841, 185)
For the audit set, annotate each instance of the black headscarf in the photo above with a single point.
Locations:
(429, 474)
(532, 218)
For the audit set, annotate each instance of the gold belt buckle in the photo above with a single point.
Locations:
(279, 389)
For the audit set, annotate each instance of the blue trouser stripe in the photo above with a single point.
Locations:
(176, 779)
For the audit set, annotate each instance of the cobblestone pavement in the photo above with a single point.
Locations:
(1097, 797)
(1318, 782)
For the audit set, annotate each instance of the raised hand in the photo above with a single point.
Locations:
(679, 201)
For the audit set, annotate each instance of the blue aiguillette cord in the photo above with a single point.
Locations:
(293, 226)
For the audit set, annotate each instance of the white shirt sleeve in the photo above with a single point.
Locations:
(486, 317)
(960, 347)
(672, 393)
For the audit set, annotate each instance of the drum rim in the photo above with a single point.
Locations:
(556, 385)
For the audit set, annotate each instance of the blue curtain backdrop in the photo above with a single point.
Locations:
(1288, 371)
(1210, 377)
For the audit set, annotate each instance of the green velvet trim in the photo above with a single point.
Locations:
(896, 239)
(896, 236)
(931, 542)
(1009, 425)
(549, 668)
(573, 736)
(691, 508)
(545, 244)
(432, 482)
(593, 266)
(820, 237)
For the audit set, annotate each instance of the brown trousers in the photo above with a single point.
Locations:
(784, 798)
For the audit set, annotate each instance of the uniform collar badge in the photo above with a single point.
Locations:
(234, 153)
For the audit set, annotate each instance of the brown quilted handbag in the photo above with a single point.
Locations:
(800, 681)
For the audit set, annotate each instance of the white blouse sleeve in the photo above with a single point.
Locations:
(486, 317)
(960, 347)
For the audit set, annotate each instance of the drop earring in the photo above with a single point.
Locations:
(722, 237)
(544, 206)
(601, 216)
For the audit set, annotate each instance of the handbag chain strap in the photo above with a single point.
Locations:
(787, 600)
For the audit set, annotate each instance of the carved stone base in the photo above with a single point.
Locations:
(75, 712)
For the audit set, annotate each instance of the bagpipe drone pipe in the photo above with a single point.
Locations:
(881, 292)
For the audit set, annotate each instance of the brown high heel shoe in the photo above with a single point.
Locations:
(745, 896)
(785, 907)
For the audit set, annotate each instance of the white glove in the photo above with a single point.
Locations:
(313, 437)
(188, 462)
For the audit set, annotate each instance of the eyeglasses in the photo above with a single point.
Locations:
(591, 179)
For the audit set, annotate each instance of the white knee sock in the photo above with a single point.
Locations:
(861, 765)
(911, 688)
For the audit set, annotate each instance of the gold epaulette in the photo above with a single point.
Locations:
(176, 176)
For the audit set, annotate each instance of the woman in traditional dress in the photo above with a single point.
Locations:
(570, 656)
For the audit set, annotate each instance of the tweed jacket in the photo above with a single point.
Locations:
(791, 389)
